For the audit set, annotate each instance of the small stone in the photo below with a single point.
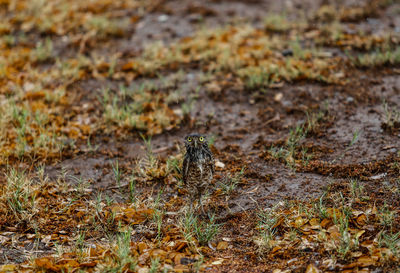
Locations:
(218, 262)
(312, 269)
(28, 86)
(222, 245)
(167, 267)
(219, 164)
(180, 268)
(194, 18)
(190, 76)
(142, 247)
(178, 112)
(159, 253)
(213, 87)
(287, 52)
(178, 258)
(278, 97)
(162, 18)
(143, 270)
(186, 260)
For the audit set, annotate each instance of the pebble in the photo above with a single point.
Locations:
(378, 176)
(278, 97)
(162, 18)
(143, 270)
(222, 245)
(219, 164)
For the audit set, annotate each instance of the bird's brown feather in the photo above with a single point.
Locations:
(198, 167)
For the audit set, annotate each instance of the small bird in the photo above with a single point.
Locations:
(198, 166)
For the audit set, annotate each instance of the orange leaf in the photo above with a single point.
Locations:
(365, 261)
(311, 269)
(128, 66)
(325, 223)
(35, 95)
(361, 220)
(178, 257)
(45, 263)
(88, 264)
(222, 245)
(8, 267)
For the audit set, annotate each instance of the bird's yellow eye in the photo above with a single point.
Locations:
(189, 139)
(201, 139)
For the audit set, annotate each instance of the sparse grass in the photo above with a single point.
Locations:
(158, 215)
(391, 116)
(356, 189)
(122, 258)
(92, 148)
(173, 164)
(391, 241)
(66, 18)
(43, 51)
(150, 167)
(117, 173)
(138, 109)
(276, 22)
(80, 243)
(288, 152)
(298, 50)
(230, 182)
(356, 134)
(320, 209)
(257, 69)
(296, 135)
(188, 105)
(81, 186)
(18, 196)
(105, 27)
(256, 80)
(277, 152)
(195, 229)
(346, 242)
(378, 58)
(267, 224)
(353, 141)
(386, 216)
(158, 220)
(27, 131)
(46, 106)
(197, 265)
(314, 120)
(395, 166)
(132, 189)
(305, 156)
(332, 223)
(154, 265)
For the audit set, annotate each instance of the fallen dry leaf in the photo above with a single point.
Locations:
(312, 269)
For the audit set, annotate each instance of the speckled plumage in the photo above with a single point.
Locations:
(198, 165)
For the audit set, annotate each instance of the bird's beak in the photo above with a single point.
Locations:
(195, 144)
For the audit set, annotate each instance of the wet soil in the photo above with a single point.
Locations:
(350, 141)
(245, 125)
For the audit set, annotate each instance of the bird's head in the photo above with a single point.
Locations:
(195, 141)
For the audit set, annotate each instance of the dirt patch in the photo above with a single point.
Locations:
(300, 103)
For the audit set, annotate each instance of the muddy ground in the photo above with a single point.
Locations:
(242, 122)
(350, 140)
